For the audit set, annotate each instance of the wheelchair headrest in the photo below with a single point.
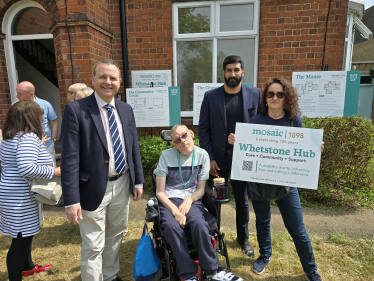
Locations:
(166, 135)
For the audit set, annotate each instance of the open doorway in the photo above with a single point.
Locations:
(30, 52)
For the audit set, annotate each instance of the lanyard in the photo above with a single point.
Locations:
(180, 169)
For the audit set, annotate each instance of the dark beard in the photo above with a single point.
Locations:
(233, 83)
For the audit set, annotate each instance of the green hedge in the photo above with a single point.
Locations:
(347, 163)
(346, 172)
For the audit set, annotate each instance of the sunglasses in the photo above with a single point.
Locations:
(271, 94)
(183, 137)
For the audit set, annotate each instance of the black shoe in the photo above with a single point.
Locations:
(117, 279)
(247, 248)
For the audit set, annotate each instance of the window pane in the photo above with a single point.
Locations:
(194, 66)
(245, 48)
(194, 20)
(236, 17)
(31, 21)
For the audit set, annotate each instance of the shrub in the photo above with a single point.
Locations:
(347, 161)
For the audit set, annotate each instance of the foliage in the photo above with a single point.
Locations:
(346, 172)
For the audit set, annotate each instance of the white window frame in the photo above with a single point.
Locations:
(9, 38)
(214, 35)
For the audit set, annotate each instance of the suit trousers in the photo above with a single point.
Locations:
(239, 189)
(101, 232)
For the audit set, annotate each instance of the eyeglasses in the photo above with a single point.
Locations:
(183, 137)
(271, 94)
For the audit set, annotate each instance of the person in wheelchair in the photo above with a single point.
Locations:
(181, 174)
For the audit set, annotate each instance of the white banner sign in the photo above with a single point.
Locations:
(150, 106)
(321, 93)
(151, 78)
(278, 155)
(199, 90)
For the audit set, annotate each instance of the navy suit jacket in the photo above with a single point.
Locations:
(213, 122)
(84, 152)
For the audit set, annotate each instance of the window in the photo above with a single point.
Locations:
(207, 32)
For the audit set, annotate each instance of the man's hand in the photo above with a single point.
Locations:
(213, 168)
(180, 218)
(322, 146)
(186, 205)
(73, 213)
(232, 138)
(137, 193)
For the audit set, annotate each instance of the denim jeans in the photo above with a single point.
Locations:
(290, 210)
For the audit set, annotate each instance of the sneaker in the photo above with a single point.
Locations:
(259, 265)
(314, 276)
(223, 276)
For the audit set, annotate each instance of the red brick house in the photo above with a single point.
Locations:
(61, 40)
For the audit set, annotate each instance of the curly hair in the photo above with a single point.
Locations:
(23, 116)
(290, 106)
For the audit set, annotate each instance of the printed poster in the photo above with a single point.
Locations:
(327, 93)
(155, 107)
(288, 156)
(151, 78)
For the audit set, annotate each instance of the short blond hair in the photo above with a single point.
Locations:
(77, 86)
(84, 93)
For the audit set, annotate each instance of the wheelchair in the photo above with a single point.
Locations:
(168, 269)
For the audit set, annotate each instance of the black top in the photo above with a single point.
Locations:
(284, 121)
(234, 113)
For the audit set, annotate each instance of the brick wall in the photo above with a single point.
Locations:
(90, 39)
(150, 36)
(4, 84)
(34, 21)
(292, 37)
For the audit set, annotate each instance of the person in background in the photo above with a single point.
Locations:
(278, 107)
(72, 89)
(83, 93)
(220, 110)
(26, 91)
(23, 158)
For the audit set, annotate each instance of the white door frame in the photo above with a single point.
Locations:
(9, 38)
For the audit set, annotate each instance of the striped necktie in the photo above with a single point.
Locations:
(119, 156)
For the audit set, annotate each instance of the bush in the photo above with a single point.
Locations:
(347, 161)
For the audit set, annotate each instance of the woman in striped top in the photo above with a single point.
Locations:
(22, 157)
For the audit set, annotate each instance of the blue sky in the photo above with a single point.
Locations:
(368, 3)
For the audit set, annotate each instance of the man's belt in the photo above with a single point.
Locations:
(113, 178)
(229, 151)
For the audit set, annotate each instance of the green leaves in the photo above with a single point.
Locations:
(347, 160)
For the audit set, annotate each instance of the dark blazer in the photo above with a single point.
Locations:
(84, 152)
(213, 123)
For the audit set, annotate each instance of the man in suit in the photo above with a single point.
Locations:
(220, 110)
(101, 165)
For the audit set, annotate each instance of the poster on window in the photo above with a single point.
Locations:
(199, 90)
(288, 156)
(155, 107)
(327, 93)
(151, 78)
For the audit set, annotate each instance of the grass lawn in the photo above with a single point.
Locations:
(338, 258)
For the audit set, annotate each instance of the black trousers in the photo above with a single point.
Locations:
(241, 198)
(19, 257)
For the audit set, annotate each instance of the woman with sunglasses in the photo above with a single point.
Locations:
(278, 106)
